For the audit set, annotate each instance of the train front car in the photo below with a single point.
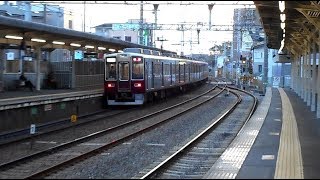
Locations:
(124, 79)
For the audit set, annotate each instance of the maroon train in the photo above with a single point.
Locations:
(139, 75)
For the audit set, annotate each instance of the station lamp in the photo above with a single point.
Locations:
(282, 24)
(101, 48)
(13, 37)
(58, 42)
(282, 6)
(282, 17)
(89, 47)
(281, 47)
(38, 40)
(74, 44)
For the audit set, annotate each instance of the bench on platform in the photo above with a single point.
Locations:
(19, 84)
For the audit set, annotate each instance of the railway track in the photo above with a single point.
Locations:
(42, 140)
(42, 163)
(195, 157)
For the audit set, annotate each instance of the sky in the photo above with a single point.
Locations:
(118, 12)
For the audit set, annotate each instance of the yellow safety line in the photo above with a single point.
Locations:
(289, 161)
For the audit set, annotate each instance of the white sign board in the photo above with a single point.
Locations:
(48, 107)
(32, 128)
(276, 81)
(10, 56)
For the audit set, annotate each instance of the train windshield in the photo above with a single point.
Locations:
(137, 68)
(124, 71)
(111, 70)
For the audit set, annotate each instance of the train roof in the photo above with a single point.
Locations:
(184, 59)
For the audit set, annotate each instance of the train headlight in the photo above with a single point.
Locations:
(111, 85)
(137, 59)
(137, 85)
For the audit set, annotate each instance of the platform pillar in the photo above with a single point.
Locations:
(303, 76)
(314, 77)
(318, 83)
(2, 62)
(73, 70)
(309, 90)
(299, 75)
(39, 56)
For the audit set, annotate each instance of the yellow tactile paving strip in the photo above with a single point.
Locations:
(230, 162)
(289, 161)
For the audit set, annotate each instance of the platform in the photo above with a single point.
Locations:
(19, 109)
(280, 141)
(25, 98)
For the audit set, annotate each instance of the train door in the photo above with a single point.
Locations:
(189, 71)
(184, 72)
(152, 74)
(162, 75)
(179, 70)
(124, 76)
(148, 73)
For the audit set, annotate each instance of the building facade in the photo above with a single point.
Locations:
(128, 31)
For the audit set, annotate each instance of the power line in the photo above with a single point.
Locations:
(180, 3)
(193, 26)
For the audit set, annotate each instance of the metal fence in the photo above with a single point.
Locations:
(88, 74)
(62, 72)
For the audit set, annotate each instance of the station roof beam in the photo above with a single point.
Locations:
(302, 23)
(28, 30)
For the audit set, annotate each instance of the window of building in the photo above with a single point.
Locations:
(70, 24)
(127, 38)
(117, 37)
(260, 68)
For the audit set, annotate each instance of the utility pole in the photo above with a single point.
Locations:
(45, 13)
(141, 24)
(210, 6)
(27, 12)
(155, 8)
(181, 28)
(84, 16)
(162, 43)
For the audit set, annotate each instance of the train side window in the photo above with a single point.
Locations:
(170, 73)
